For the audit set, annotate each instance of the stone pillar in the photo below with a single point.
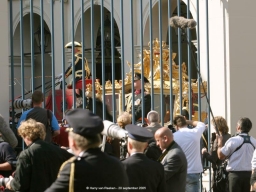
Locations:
(4, 54)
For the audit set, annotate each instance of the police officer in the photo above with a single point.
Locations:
(78, 63)
(90, 169)
(138, 99)
(144, 174)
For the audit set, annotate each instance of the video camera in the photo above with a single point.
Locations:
(113, 130)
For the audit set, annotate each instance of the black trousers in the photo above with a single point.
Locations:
(239, 181)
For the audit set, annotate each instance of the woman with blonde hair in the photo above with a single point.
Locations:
(38, 165)
(221, 124)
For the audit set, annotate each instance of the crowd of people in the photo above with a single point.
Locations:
(157, 158)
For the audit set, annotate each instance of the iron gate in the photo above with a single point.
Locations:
(111, 32)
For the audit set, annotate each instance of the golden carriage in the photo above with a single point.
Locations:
(158, 82)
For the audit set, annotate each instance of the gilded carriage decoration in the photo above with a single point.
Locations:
(156, 76)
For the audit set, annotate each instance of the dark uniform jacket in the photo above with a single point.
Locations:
(78, 68)
(175, 167)
(94, 169)
(144, 174)
(38, 167)
(138, 105)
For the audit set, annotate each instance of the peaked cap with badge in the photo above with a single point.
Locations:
(138, 133)
(84, 122)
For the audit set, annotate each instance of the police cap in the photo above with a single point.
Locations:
(84, 122)
(138, 76)
(138, 133)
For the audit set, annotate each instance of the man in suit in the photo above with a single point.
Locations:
(91, 169)
(143, 174)
(173, 159)
(138, 99)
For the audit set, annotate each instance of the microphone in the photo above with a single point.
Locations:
(181, 22)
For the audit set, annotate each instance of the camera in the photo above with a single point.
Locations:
(20, 103)
(3, 181)
(113, 130)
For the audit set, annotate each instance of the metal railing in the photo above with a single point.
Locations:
(138, 22)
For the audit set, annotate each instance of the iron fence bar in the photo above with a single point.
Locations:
(73, 53)
(63, 57)
(83, 60)
(93, 59)
(22, 57)
(179, 58)
(53, 57)
(32, 45)
(42, 47)
(161, 60)
(170, 60)
(122, 53)
(151, 52)
(132, 57)
(199, 75)
(11, 59)
(103, 58)
(188, 39)
(142, 64)
(208, 84)
(198, 61)
(113, 60)
(22, 50)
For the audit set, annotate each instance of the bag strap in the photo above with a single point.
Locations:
(246, 140)
(49, 118)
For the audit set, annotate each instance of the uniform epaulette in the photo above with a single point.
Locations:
(71, 160)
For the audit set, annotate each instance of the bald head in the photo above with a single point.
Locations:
(163, 137)
(164, 131)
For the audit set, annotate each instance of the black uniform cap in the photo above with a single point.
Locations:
(138, 133)
(137, 76)
(84, 122)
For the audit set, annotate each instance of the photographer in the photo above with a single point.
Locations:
(41, 115)
(38, 165)
(189, 141)
(221, 124)
(239, 152)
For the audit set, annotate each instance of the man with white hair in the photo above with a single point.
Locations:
(153, 121)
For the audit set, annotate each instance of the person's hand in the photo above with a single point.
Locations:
(8, 184)
(204, 150)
